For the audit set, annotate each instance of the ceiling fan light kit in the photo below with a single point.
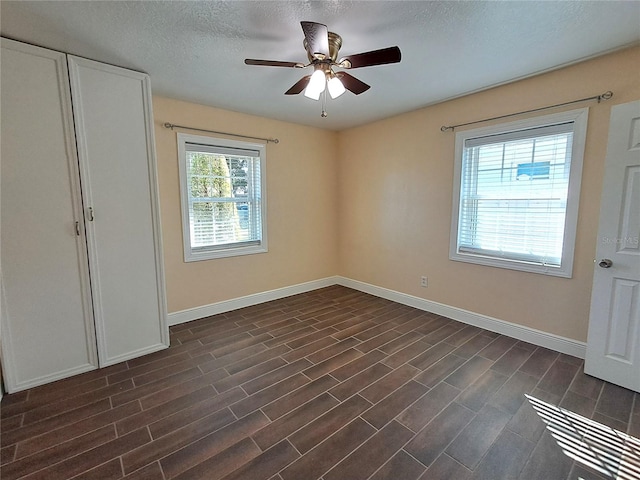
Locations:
(322, 49)
(335, 86)
(316, 85)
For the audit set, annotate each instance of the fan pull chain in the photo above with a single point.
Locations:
(324, 104)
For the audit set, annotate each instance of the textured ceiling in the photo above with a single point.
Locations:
(195, 50)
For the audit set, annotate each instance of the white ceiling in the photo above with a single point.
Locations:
(195, 50)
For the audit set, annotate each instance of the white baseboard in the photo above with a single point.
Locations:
(527, 334)
(190, 314)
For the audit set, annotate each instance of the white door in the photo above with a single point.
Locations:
(113, 120)
(47, 321)
(613, 345)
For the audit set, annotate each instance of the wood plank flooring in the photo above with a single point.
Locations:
(332, 384)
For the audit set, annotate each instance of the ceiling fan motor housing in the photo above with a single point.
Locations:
(335, 43)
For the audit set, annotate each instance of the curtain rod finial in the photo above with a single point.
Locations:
(444, 128)
(605, 96)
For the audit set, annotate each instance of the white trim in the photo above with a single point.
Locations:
(243, 248)
(520, 332)
(147, 103)
(190, 314)
(579, 118)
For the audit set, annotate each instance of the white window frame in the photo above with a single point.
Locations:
(192, 254)
(579, 119)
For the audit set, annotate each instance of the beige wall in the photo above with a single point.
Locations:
(374, 203)
(395, 194)
(301, 209)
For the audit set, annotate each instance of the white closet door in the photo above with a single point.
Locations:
(47, 324)
(112, 109)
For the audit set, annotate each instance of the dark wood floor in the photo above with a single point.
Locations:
(332, 384)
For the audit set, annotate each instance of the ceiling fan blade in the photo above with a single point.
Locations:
(317, 37)
(369, 59)
(272, 63)
(352, 84)
(299, 86)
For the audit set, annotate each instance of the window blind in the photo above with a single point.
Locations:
(513, 195)
(224, 196)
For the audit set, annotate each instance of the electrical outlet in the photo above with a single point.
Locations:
(424, 281)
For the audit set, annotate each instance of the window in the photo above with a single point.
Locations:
(516, 193)
(222, 193)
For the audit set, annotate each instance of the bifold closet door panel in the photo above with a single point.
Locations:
(114, 131)
(47, 325)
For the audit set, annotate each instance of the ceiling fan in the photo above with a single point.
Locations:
(322, 49)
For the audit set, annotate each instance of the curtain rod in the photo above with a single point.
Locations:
(172, 126)
(605, 96)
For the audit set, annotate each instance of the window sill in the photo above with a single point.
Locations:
(564, 272)
(224, 253)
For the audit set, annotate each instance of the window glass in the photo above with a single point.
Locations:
(222, 197)
(516, 194)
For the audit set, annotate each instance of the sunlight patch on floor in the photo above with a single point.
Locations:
(608, 451)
